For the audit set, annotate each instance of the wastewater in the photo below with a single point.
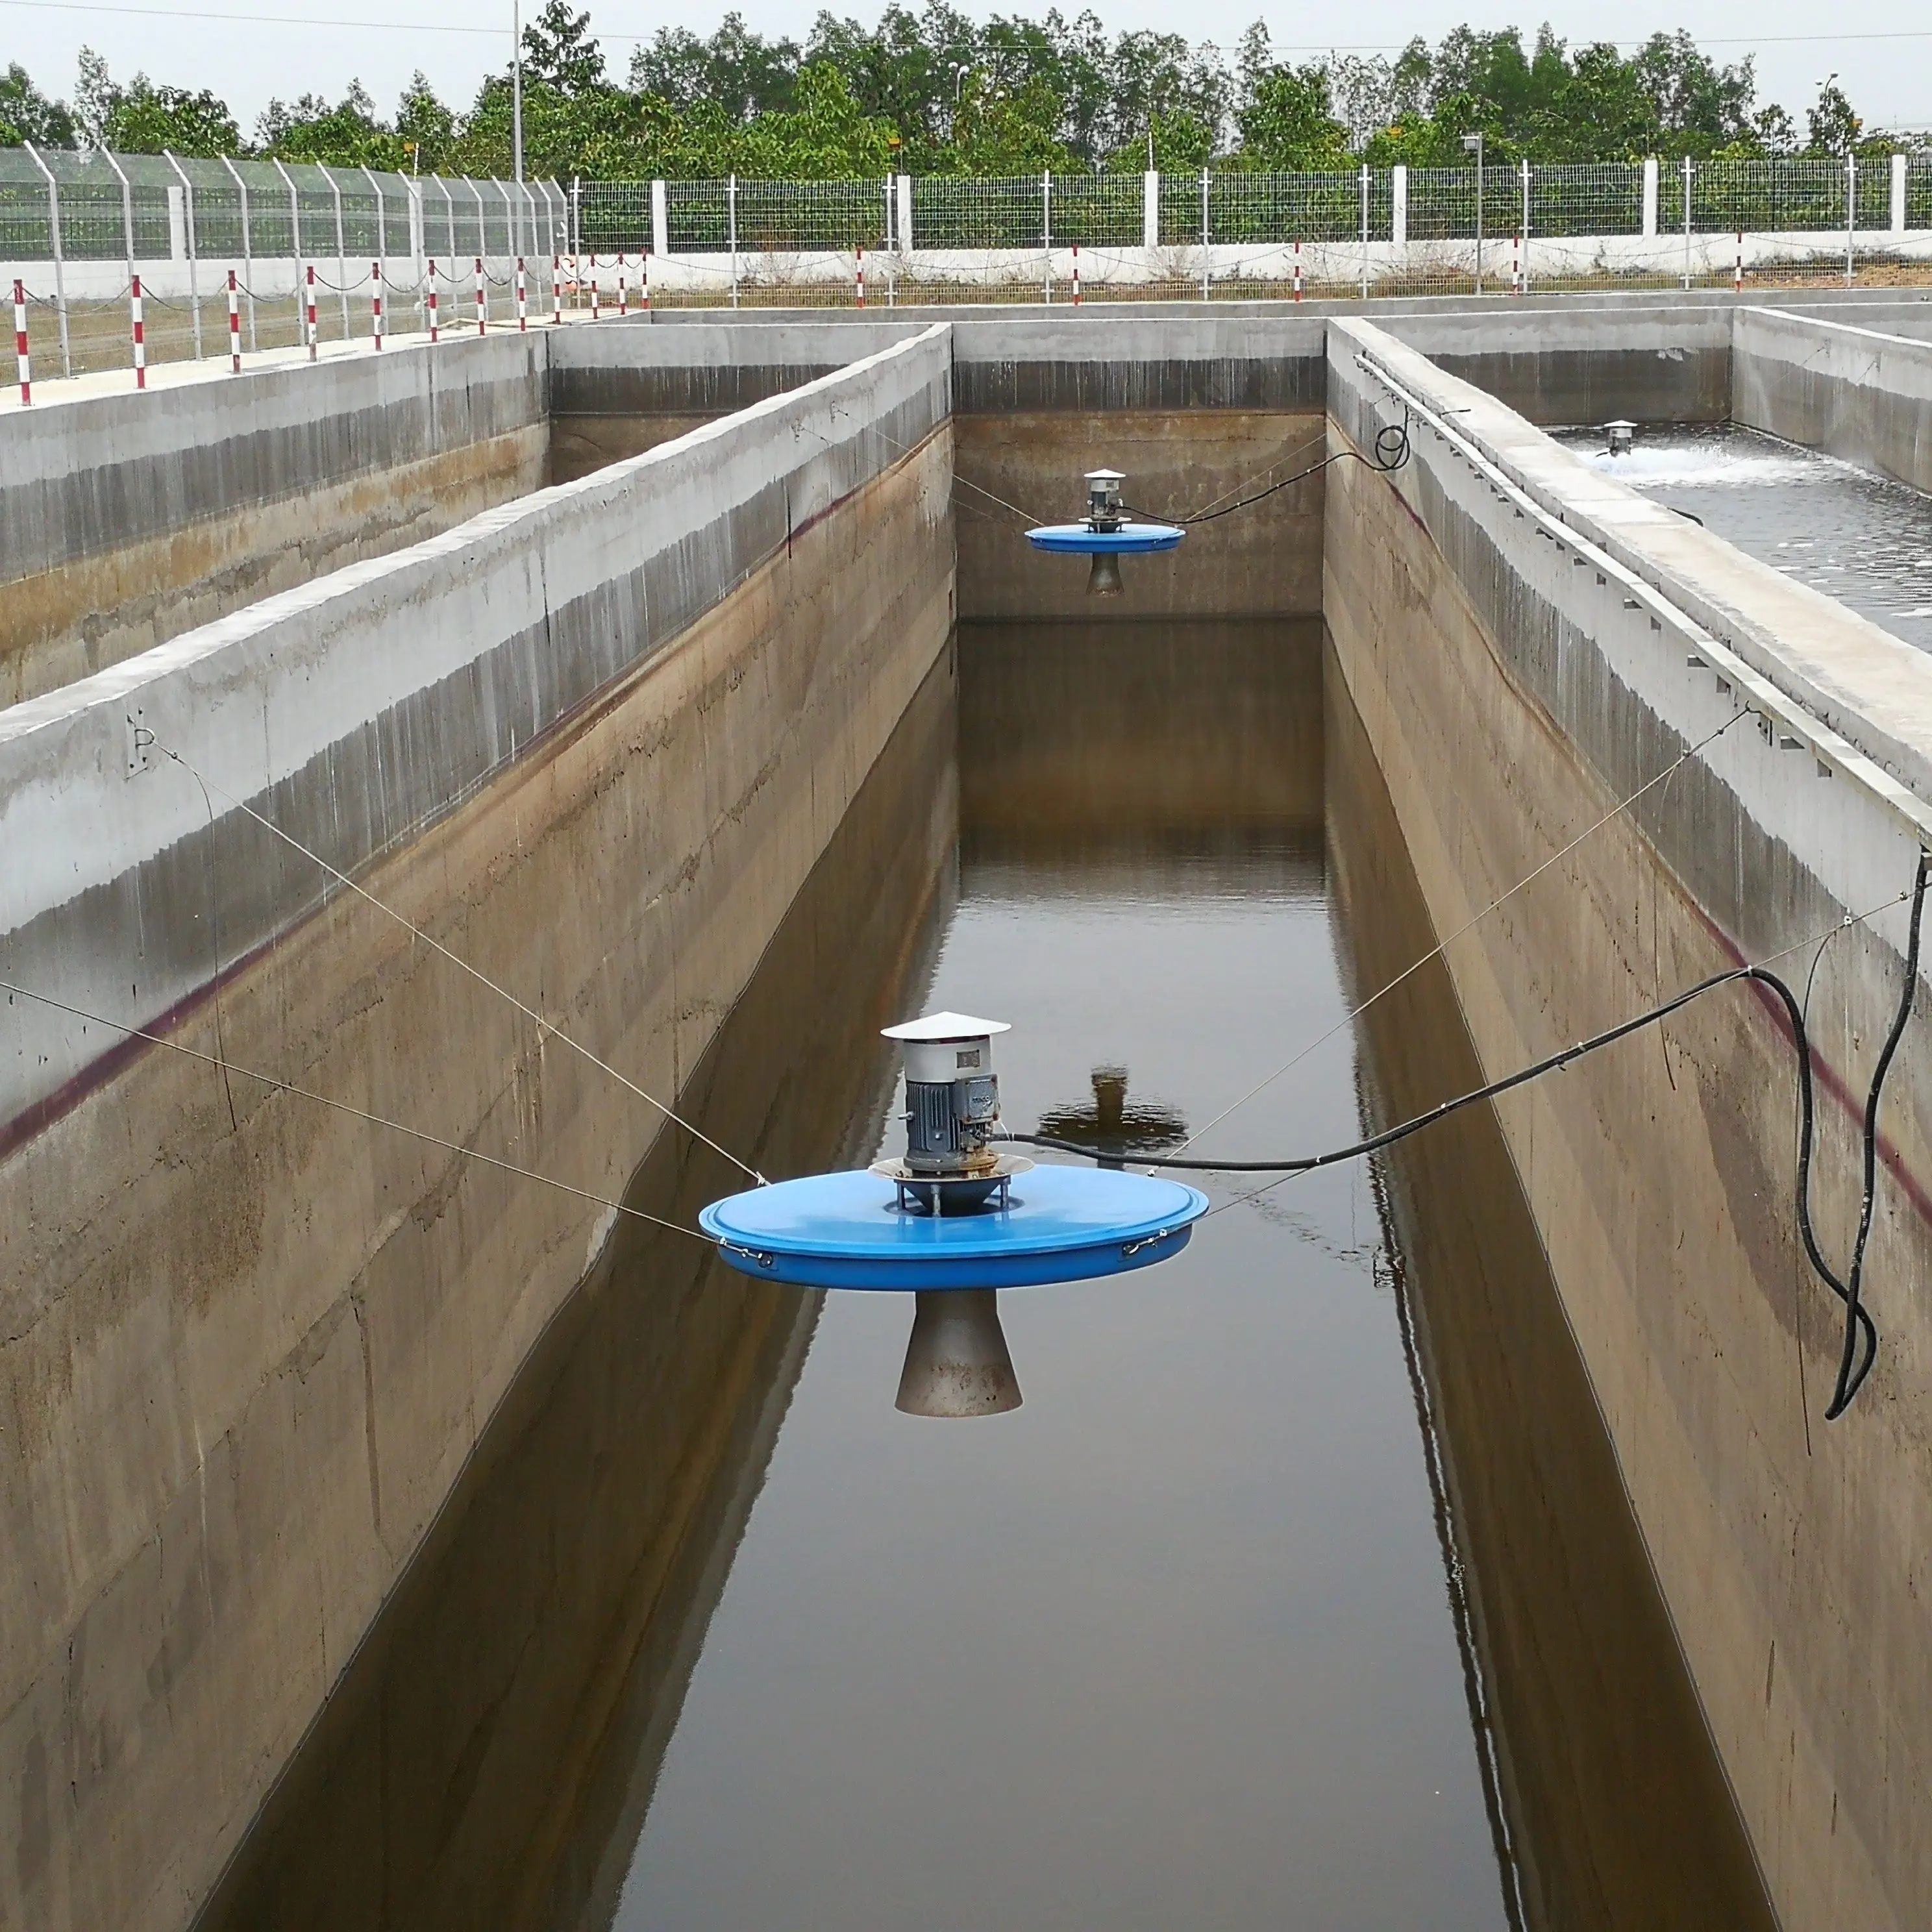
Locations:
(1864, 539)
(1300, 1591)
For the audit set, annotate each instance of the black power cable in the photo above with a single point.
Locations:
(1855, 1362)
(1390, 452)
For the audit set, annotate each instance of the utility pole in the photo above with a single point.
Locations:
(1475, 142)
(517, 87)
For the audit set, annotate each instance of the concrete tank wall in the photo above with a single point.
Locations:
(1854, 392)
(126, 519)
(594, 741)
(1514, 631)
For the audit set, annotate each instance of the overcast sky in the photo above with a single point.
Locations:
(247, 50)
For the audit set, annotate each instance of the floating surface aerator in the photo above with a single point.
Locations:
(1107, 535)
(952, 1221)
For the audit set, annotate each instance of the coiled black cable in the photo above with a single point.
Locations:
(1854, 1361)
(1389, 452)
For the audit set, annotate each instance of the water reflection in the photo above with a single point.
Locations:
(1864, 539)
(1611, 1801)
(488, 1759)
(1113, 1127)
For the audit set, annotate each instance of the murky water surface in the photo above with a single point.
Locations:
(1862, 539)
(1301, 1592)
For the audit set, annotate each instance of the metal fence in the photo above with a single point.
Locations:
(77, 227)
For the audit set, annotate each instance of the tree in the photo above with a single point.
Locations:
(27, 115)
(999, 131)
(558, 52)
(1831, 128)
(144, 119)
(347, 135)
(737, 71)
(424, 126)
(1289, 122)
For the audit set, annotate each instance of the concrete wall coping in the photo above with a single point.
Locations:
(1873, 689)
(64, 434)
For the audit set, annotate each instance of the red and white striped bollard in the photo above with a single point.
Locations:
(644, 280)
(523, 305)
(482, 302)
(234, 324)
(20, 341)
(596, 285)
(1738, 273)
(140, 337)
(623, 299)
(1515, 266)
(1076, 274)
(375, 302)
(557, 291)
(433, 330)
(1298, 271)
(859, 274)
(312, 332)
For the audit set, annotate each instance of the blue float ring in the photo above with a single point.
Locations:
(1129, 540)
(846, 1231)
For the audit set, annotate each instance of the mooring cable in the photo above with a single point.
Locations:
(1442, 946)
(1389, 452)
(282, 1086)
(1854, 1366)
(544, 1025)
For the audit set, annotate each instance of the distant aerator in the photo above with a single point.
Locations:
(1108, 534)
(947, 1223)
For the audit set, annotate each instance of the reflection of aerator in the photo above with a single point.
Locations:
(953, 1220)
(1108, 534)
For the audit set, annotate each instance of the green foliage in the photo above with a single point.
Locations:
(27, 115)
(1288, 122)
(936, 91)
(348, 134)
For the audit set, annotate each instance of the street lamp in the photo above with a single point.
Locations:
(1473, 143)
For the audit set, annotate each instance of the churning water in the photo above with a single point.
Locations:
(1865, 540)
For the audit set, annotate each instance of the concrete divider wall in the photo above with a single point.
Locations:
(594, 741)
(1856, 392)
(1514, 630)
(126, 519)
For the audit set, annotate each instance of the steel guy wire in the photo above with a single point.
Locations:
(281, 1086)
(543, 1024)
(1348, 1018)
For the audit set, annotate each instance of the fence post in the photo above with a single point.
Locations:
(1851, 212)
(1649, 228)
(904, 186)
(1150, 216)
(295, 241)
(341, 250)
(1687, 221)
(1522, 283)
(1207, 259)
(60, 259)
(1046, 226)
(731, 223)
(417, 251)
(660, 219)
(1365, 231)
(1399, 206)
(382, 223)
(247, 249)
(194, 284)
(127, 209)
(1898, 164)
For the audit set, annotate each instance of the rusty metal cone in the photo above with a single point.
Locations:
(1104, 579)
(957, 1363)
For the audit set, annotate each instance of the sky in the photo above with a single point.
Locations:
(249, 50)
